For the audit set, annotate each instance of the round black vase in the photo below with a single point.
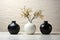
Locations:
(45, 28)
(13, 28)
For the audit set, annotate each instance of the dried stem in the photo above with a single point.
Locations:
(28, 19)
(32, 18)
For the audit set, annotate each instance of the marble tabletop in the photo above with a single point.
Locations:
(7, 36)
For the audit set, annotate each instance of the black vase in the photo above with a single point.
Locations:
(45, 28)
(13, 28)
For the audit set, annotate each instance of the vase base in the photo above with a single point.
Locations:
(13, 33)
(29, 33)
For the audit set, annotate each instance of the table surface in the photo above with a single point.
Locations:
(7, 36)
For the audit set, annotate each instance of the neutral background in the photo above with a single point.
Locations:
(10, 10)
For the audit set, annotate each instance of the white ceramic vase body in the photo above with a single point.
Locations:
(29, 28)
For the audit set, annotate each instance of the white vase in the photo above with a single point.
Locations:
(29, 28)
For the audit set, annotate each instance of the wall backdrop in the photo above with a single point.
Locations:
(10, 9)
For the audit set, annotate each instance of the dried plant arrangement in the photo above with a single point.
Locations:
(26, 13)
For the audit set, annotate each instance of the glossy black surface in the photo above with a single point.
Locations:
(45, 28)
(13, 28)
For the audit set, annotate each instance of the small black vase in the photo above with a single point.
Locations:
(13, 28)
(45, 28)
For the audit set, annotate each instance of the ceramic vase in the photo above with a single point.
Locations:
(13, 28)
(30, 28)
(45, 28)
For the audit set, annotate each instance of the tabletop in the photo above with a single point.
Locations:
(7, 36)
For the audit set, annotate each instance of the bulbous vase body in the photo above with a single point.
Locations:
(13, 28)
(45, 28)
(30, 28)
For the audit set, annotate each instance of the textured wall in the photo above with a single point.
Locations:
(9, 10)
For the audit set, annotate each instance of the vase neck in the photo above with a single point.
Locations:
(14, 22)
(29, 21)
(45, 22)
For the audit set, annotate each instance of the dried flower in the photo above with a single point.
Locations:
(38, 14)
(25, 12)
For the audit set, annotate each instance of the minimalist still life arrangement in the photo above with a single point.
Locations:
(30, 27)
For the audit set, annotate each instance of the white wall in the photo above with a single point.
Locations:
(9, 10)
